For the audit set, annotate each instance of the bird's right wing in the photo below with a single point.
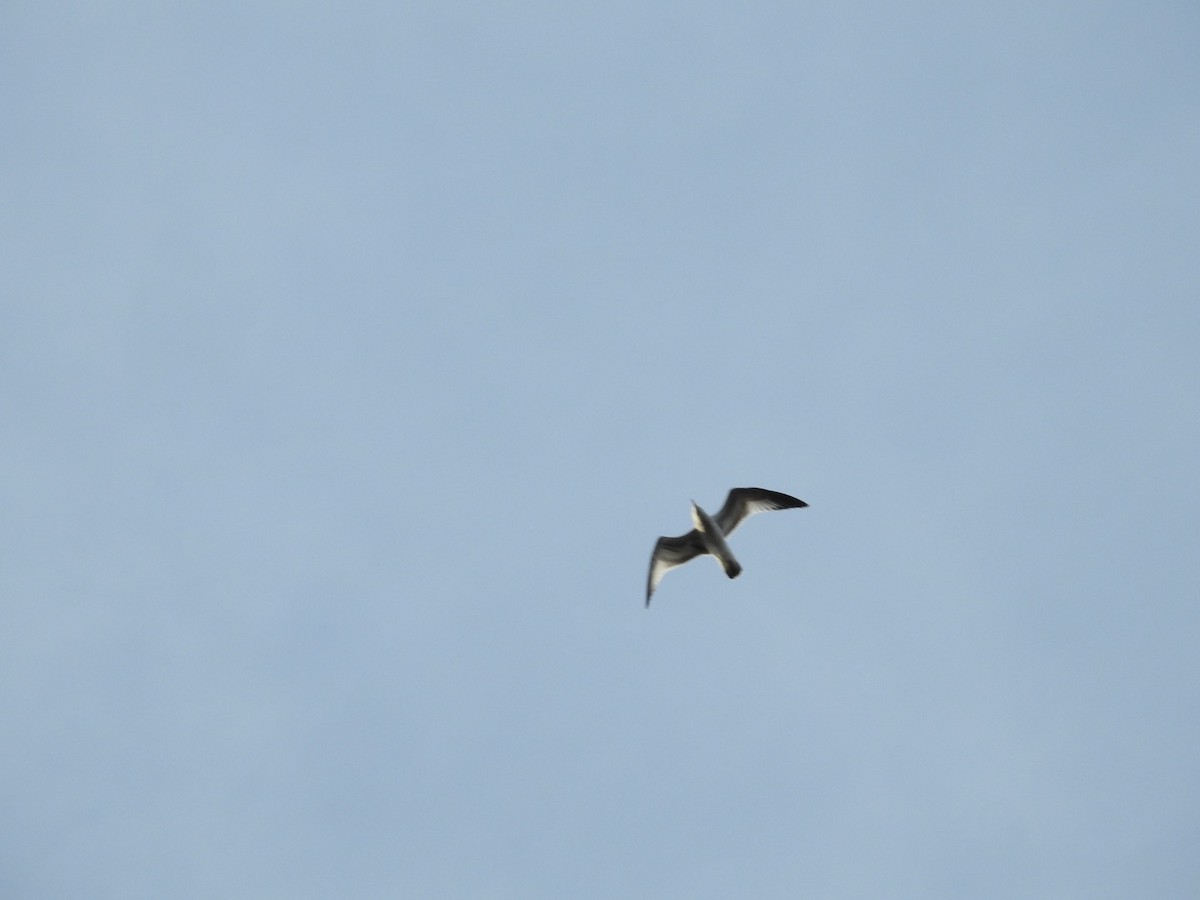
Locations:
(670, 552)
(745, 502)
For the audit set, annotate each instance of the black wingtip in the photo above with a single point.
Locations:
(780, 499)
(787, 501)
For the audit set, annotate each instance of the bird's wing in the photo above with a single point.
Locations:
(670, 552)
(745, 502)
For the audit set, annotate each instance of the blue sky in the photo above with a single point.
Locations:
(354, 358)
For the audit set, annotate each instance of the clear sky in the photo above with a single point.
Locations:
(354, 356)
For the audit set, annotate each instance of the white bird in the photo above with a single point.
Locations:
(710, 532)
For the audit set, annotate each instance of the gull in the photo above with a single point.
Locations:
(710, 532)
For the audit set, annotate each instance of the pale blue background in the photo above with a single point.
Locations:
(354, 355)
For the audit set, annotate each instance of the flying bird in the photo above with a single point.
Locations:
(710, 532)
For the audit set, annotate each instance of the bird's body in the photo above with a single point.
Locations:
(714, 542)
(709, 533)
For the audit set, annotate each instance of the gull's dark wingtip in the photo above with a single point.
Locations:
(785, 501)
(777, 499)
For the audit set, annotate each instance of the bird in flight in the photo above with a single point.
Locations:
(710, 532)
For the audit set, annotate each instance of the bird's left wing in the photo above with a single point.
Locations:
(670, 552)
